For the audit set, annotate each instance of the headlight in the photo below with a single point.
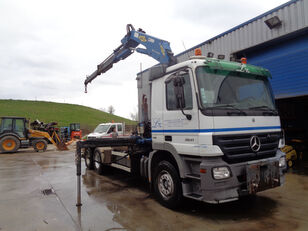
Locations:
(282, 162)
(221, 173)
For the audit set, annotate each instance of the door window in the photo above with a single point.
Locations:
(19, 127)
(111, 129)
(7, 124)
(170, 94)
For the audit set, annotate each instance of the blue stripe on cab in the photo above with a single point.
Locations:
(217, 130)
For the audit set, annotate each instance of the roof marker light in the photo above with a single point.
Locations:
(243, 60)
(198, 52)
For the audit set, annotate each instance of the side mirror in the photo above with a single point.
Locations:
(178, 83)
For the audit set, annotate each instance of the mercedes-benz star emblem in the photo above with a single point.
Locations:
(255, 143)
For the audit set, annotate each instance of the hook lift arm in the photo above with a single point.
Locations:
(156, 48)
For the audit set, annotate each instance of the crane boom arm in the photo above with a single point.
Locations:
(154, 47)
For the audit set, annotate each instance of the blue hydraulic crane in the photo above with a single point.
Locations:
(156, 48)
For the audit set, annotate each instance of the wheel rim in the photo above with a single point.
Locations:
(40, 145)
(165, 184)
(96, 160)
(9, 144)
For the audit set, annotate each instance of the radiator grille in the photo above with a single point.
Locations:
(236, 148)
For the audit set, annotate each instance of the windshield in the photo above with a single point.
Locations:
(236, 90)
(102, 128)
(75, 127)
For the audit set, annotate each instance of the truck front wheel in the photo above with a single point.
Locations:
(167, 185)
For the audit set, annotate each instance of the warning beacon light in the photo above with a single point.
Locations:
(243, 60)
(198, 52)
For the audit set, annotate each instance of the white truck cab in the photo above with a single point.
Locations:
(216, 122)
(104, 130)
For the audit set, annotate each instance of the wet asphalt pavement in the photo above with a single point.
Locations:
(120, 202)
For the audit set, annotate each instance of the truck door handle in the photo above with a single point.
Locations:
(168, 138)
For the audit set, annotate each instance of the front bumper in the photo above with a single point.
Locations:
(246, 178)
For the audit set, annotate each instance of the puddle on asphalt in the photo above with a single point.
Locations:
(132, 205)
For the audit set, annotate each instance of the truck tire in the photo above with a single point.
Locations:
(9, 144)
(167, 185)
(88, 159)
(39, 145)
(98, 166)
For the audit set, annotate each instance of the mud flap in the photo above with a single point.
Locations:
(262, 176)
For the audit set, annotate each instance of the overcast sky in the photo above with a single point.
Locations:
(47, 47)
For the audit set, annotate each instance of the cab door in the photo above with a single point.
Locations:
(181, 128)
(19, 127)
(120, 129)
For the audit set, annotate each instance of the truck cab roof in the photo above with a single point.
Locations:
(212, 63)
(11, 117)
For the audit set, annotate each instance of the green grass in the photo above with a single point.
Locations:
(62, 113)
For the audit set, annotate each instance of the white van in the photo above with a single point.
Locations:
(104, 130)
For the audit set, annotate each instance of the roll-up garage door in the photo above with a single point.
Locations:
(288, 64)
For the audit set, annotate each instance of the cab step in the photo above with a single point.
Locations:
(194, 196)
(193, 176)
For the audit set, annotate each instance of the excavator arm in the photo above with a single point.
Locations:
(54, 138)
(154, 47)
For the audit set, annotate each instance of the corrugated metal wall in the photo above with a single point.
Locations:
(294, 17)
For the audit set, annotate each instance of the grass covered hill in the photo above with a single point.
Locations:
(62, 113)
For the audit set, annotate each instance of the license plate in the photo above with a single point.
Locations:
(262, 176)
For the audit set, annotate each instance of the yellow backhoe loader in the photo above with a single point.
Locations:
(14, 134)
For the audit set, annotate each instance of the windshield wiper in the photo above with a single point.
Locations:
(266, 108)
(230, 106)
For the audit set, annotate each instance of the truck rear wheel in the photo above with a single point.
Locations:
(9, 144)
(167, 185)
(39, 145)
(98, 166)
(88, 159)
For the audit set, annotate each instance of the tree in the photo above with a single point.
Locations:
(111, 109)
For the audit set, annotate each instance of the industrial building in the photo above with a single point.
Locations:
(278, 41)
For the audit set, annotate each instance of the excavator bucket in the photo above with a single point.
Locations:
(54, 138)
(59, 142)
(62, 146)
